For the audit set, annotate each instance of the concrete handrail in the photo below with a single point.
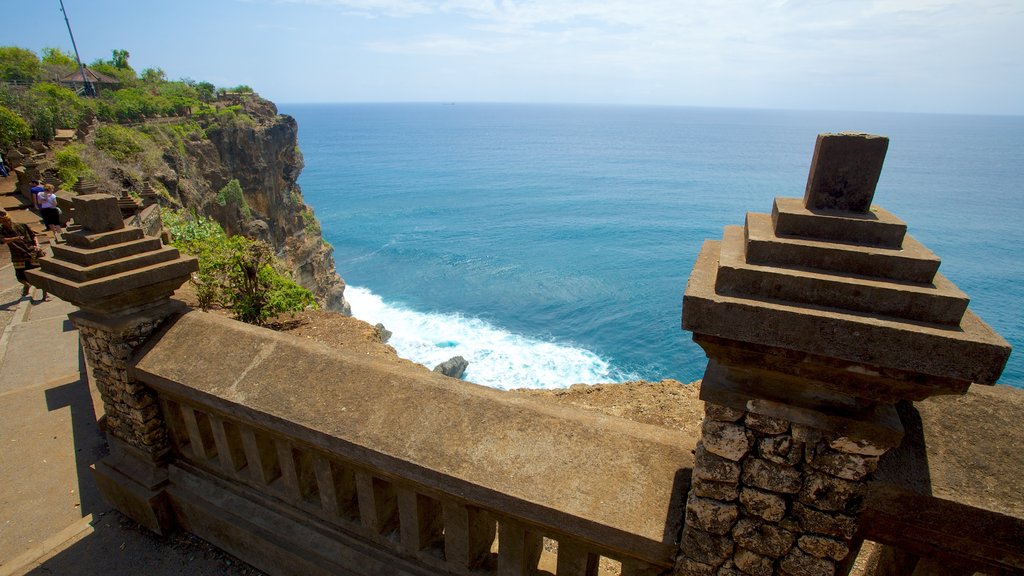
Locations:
(425, 466)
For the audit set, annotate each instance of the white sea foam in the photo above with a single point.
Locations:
(497, 358)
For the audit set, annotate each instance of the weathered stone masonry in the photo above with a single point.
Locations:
(816, 319)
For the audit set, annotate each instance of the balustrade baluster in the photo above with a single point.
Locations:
(574, 559)
(262, 458)
(200, 443)
(468, 535)
(232, 458)
(378, 506)
(327, 488)
(288, 473)
(420, 519)
(519, 549)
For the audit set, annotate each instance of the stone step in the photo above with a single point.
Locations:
(877, 227)
(120, 290)
(89, 240)
(940, 302)
(92, 256)
(78, 273)
(912, 263)
(971, 352)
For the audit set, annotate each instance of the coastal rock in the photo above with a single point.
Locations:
(383, 333)
(454, 367)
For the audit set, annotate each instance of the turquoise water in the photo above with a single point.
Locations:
(550, 245)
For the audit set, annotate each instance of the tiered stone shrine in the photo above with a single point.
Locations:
(122, 281)
(816, 319)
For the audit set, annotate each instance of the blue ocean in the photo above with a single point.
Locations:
(550, 245)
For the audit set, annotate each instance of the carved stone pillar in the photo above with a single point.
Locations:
(816, 320)
(122, 281)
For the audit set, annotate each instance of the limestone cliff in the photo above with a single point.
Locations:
(248, 141)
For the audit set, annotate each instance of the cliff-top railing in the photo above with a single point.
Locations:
(394, 458)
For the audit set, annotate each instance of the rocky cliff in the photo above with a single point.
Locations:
(249, 141)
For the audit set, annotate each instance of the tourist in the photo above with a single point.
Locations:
(49, 211)
(35, 190)
(25, 251)
(3, 167)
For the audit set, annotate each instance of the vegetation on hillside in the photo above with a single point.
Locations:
(30, 88)
(235, 272)
(126, 151)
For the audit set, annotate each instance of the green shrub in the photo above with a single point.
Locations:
(65, 107)
(235, 272)
(19, 64)
(232, 193)
(12, 129)
(70, 166)
(119, 142)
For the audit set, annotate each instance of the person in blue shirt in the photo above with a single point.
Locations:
(35, 190)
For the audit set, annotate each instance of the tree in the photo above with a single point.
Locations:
(19, 64)
(13, 129)
(57, 63)
(58, 57)
(119, 59)
(153, 75)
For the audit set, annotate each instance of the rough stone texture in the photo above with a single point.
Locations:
(708, 466)
(771, 476)
(130, 407)
(726, 491)
(710, 515)
(764, 505)
(823, 547)
(454, 367)
(844, 171)
(763, 538)
(781, 450)
(832, 494)
(813, 520)
(766, 424)
(726, 440)
(797, 563)
(722, 413)
(753, 563)
(856, 446)
(845, 465)
(687, 567)
(706, 548)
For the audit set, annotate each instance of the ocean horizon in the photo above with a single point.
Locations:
(550, 244)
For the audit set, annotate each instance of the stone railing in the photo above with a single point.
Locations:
(278, 439)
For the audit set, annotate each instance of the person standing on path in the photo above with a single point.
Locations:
(25, 251)
(48, 210)
(35, 190)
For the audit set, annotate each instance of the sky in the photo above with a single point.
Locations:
(939, 56)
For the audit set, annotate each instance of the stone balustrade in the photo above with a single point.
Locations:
(277, 442)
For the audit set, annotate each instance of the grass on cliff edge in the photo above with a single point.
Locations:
(235, 272)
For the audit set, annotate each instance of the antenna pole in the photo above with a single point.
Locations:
(86, 85)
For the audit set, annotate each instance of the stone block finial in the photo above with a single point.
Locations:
(98, 212)
(844, 171)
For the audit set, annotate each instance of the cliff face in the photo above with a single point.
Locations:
(259, 149)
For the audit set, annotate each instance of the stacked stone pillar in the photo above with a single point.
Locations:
(122, 281)
(817, 319)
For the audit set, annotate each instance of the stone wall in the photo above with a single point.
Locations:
(770, 496)
(132, 413)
